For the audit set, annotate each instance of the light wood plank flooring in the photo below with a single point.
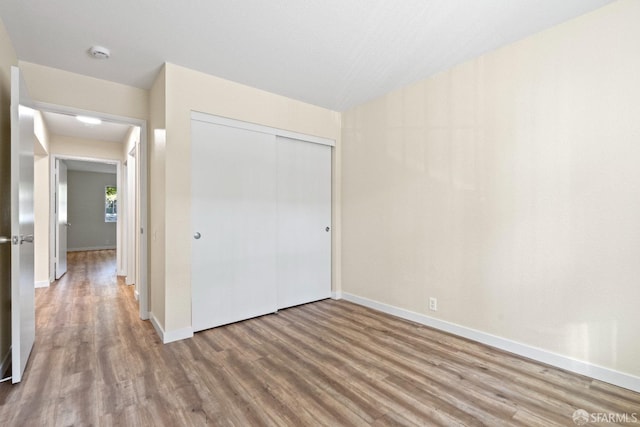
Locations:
(328, 363)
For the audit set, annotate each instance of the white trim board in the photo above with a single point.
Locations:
(42, 284)
(219, 120)
(170, 336)
(601, 373)
(4, 364)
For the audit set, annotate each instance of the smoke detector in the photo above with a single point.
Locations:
(99, 52)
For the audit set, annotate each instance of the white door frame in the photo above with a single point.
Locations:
(141, 164)
(123, 194)
(55, 190)
(130, 192)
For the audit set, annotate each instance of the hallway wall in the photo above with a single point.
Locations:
(41, 199)
(85, 210)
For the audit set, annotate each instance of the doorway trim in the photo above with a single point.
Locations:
(143, 288)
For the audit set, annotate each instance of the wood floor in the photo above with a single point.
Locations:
(328, 363)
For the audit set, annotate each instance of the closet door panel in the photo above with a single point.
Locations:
(304, 213)
(233, 205)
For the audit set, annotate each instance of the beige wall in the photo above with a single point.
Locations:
(54, 86)
(41, 147)
(42, 275)
(509, 188)
(88, 148)
(186, 91)
(156, 211)
(7, 59)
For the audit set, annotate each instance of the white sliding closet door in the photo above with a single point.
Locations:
(304, 221)
(234, 211)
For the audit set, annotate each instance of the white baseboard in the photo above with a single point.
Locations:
(90, 248)
(6, 361)
(336, 295)
(42, 284)
(170, 336)
(156, 326)
(601, 373)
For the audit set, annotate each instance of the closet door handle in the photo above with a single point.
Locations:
(197, 235)
(327, 229)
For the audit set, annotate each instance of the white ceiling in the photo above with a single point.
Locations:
(332, 53)
(86, 166)
(68, 125)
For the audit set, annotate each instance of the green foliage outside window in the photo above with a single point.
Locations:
(111, 204)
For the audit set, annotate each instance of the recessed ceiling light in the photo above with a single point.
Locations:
(89, 120)
(99, 52)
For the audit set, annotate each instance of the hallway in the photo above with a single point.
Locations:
(91, 356)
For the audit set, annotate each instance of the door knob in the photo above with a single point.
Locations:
(197, 235)
(327, 229)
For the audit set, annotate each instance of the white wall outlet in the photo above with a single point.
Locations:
(433, 304)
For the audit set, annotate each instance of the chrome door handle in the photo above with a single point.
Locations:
(197, 235)
(68, 224)
(26, 238)
(13, 240)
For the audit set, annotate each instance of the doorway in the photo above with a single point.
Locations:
(84, 146)
(86, 198)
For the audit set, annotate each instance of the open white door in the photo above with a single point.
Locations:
(23, 325)
(61, 218)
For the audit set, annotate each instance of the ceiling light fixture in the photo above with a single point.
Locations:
(89, 120)
(99, 52)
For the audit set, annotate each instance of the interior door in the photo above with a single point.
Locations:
(304, 222)
(22, 282)
(233, 214)
(62, 218)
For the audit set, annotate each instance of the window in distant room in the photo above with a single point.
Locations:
(110, 204)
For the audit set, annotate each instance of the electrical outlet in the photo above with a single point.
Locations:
(433, 304)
